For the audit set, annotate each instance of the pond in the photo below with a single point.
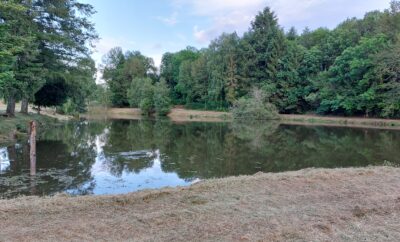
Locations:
(120, 156)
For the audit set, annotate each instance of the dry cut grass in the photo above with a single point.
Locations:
(308, 205)
(176, 114)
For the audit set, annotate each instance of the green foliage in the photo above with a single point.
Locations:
(349, 70)
(120, 69)
(162, 101)
(255, 107)
(146, 97)
(101, 95)
(52, 94)
(44, 41)
(265, 42)
(352, 83)
(150, 98)
(81, 83)
(69, 107)
(171, 68)
(140, 95)
(387, 69)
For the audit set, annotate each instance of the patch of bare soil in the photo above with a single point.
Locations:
(113, 113)
(177, 114)
(185, 115)
(308, 205)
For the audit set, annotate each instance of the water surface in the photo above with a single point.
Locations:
(112, 157)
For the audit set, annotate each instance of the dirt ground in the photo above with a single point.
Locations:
(184, 115)
(308, 205)
(176, 114)
(51, 112)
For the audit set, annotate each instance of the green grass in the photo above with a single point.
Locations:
(17, 127)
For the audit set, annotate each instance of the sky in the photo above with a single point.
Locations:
(157, 26)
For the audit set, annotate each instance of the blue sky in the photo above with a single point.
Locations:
(158, 26)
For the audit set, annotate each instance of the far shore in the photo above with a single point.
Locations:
(187, 115)
(352, 204)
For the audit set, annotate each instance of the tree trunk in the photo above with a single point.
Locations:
(11, 106)
(24, 106)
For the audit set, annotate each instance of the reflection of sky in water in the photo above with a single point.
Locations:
(114, 157)
(148, 178)
(4, 160)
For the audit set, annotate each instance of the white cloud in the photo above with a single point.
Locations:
(171, 20)
(216, 7)
(236, 15)
(234, 21)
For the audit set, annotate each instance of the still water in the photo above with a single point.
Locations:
(111, 157)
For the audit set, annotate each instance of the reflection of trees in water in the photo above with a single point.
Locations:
(216, 150)
(195, 150)
(207, 150)
(129, 136)
(255, 132)
(64, 158)
(211, 150)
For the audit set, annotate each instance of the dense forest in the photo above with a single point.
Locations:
(353, 69)
(45, 54)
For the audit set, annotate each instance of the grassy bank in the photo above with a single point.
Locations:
(12, 129)
(309, 205)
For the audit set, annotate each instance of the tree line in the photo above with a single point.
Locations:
(353, 69)
(45, 54)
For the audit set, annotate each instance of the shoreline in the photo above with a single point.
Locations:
(16, 128)
(311, 204)
(355, 122)
(187, 115)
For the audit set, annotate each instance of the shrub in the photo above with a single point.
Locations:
(162, 101)
(150, 97)
(255, 107)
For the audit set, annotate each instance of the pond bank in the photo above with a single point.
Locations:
(299, 119)
(176, 114)
(187, 115)
(12, 129)
(360, 204)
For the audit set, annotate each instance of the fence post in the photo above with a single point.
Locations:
(32, 142)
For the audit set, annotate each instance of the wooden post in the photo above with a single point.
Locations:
(32, 142)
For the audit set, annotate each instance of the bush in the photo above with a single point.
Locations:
(148, 97)
(162, 101)
(255, 107)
